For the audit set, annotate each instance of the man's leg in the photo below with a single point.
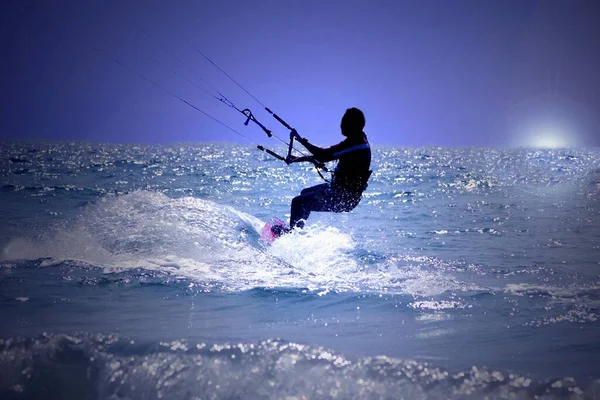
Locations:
(316, 198)
(316, 188)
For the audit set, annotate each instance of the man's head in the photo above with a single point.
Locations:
(353, 122)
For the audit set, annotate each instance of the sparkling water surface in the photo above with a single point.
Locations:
(138, 272)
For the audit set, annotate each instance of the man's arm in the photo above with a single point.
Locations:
(321, 154)
(293, 159)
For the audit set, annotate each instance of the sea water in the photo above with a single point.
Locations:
(138, 272)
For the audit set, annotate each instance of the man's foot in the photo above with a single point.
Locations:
(279, 230)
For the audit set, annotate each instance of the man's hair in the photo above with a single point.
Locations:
(355, 117)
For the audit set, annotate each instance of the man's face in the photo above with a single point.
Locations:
(345, 126)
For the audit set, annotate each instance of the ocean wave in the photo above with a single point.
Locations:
(580, 315)
(567, 293)
(569, 304)
(97, 366)
(207, 242)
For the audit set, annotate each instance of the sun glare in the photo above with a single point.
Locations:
(549, 140)
(543, 136)
(550, 123)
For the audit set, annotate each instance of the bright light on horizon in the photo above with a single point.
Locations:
(546, 137)
(550, 140)
(550, 123)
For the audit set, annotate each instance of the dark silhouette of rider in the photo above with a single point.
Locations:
(350, 177)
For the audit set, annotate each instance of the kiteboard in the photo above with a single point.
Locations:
(273, 229)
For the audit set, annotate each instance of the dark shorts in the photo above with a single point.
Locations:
(322, 198)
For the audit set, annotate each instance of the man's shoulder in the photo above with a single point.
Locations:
(348, 143)
(359, 141)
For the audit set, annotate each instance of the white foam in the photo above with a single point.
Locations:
(320, 257)
(207, 242)
(588, 293)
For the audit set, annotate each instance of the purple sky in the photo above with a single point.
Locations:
(442, 73)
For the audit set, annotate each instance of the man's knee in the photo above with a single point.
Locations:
(314, 189)
(299, 204)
